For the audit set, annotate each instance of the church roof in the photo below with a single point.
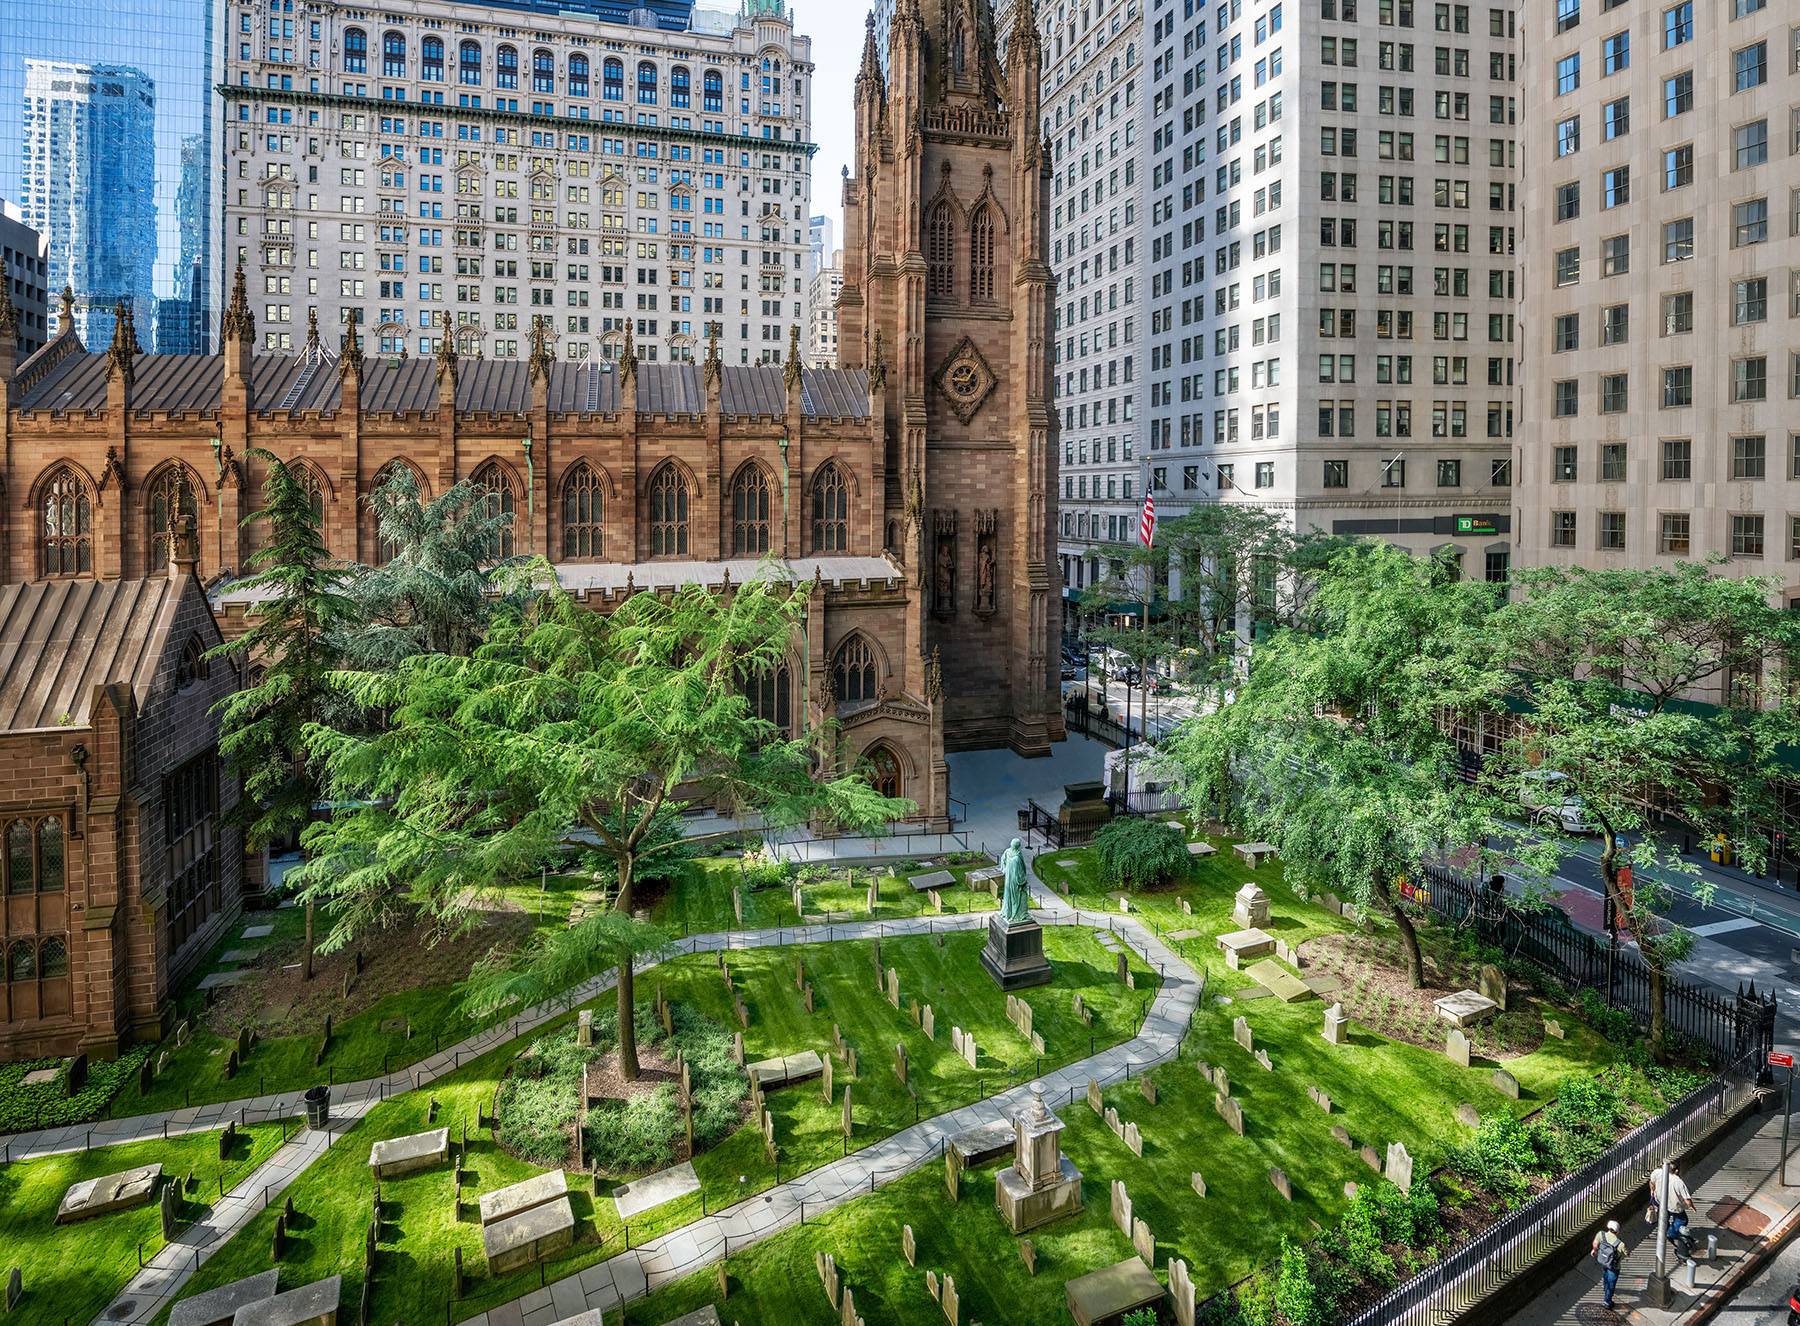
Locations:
(59, 639)
(192, 383)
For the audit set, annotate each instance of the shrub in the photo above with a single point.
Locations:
(1612, 1023)
(48, 1104)
(1139, 853)
(1501, 1156)
(1302, 1294)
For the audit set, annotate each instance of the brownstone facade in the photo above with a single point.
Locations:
(947, 296)
(116, 873)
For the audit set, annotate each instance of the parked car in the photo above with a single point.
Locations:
(1548, 796)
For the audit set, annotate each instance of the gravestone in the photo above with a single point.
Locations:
(1492, 984)
(969, 1050)
(1130, 979)
(850, 1058)
(847, 1109)
(1288, 954)
(1028, 1255)
(15, 1288)
(1262, 1057)
(1134, 1139)
(1372, 1158)
(837, 1038)
(737, 1048)
(1181, 1292)
(1279, 1178)
(907, 1247)
(146, 1076)
(1093, 1096)
(1319, 1098)
(931, 1285)
(162, 1062)
(167, 1211)
(1124, 968)
(953, 1168)
(737, 904)
(874, 890)
(231, 1064)
(1456, 1046)
(1147, 1089)
(1186, 907)
(952, 1304)
(800, 973)
(1337, 1025)
(912, 1010)
(808, 997)
(724, 1280)
(584, 1027)
(927, 1023)
(825, 1078)
(900, 1062)
(1198, 1184)
(1221, 1080)
(849, 1317)
(1506, 1083)
(1340, 1134)
(1250, 908)
(1037, 1044)
(227, 1140)
(1399, 1166)
(893, 987)
(1468, 1115)
(1240, 1032)
(1112, 1122)
(1232, 1111)
(826, 1266)
(1144, 1241)
(1465, 1008)
(1121, 1207)
(1553, 1028)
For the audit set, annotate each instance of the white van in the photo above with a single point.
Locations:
(1547, 795)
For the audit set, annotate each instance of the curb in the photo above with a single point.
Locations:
(1720, 1291)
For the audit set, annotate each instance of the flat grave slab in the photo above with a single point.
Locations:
(1201, 849)
(1180, 935)
(937, 879)
(784, 1070)
(1280, 982)
(1067, 862)
(985, 873)
(215, 979)
(109, 1193)
(309, 1305)
(514, 1198)
(38, 1077)
(1253, 853)
(528, 1236)
(665, 1185)
(1465, 1008)
(216, 1307)
(239, 954)
(1244, 944)
(589, 1318)
(1112, 1291)
(403, 1155)
(1253, 992)
(1323, 984)
(985, 1142)
(257, 932)
(706, 1316)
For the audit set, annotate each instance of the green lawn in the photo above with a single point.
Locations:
(73, 1271)
(419, 1236)
(700, 899)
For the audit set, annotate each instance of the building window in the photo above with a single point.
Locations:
(712, 91)
(1678, 167)
(1449, 474)
(1678, 458)
(1750, 66)
(1615, 255)
(1678, 24)
(578, 76)
(68, 526)
(1500, 472)
(1749, 145)
(1750, 223)
(1566, 399)
(1678, 94)
(21, 962)
(940, 252)
(1562, 529)
(770, 692)
(831, 510)
(34, 856)
(53, 959)
(1746, 536)
(1612, 462)
(506, 67)
(431, 59)
(750, 513)
(680, 86)
(1337, 474)
(1749, 458)
(1393, 473)
(356, 51)
(668, 513)
(1678, 313)
(1678, 387)
(468, 64)
(1265, 474)
(1568, 201)
(1567, 333)
(1614, 389)
(393, 55)
(1612, 531)
(612, 84)
(1678, 239)
(883, 771)
(1616, 187)
(583, 507)
(1673, 537)
(1615, 53)
(1568, 74)
(1750, 379)
(1615, 324)
(1568, 266)
(1750, 300)
(646, 84)
(171, 499)
(190, 828)
(1564, 465)
(853, 671)
(543, 72)
(981, 257)
(497, 506)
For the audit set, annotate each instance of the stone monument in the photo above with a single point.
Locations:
(1014, 955)
(1042, 1184)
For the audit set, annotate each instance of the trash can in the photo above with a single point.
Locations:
(318, 1107)
(1025, 817)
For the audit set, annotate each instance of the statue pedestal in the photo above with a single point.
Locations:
(1014, 955)
(1025, 1207)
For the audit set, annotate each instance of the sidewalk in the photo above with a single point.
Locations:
(1737, 1196)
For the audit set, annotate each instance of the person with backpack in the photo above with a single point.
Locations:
(1609, 1251)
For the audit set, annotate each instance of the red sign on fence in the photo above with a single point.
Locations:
(1779, 1060)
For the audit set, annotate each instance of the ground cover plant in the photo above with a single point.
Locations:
(72, 1271)
(49, 1104)
(698, 897)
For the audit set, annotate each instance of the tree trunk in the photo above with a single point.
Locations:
(1409, 941)
(1624, 916)
(306, 958)
(628, 1060)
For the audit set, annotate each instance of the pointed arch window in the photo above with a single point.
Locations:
(831, 511)
(613, 85)
(853, 671)
(500, 500)
(646, 84)
(940, 252)
(981, 257)
(506, 67)
(883, 771)
(771, 695)
(959, 49)
(21, 962)
(578, 75)
(713, 91)
(431, 59)
(34, 856)
(582, 509)
(68, 525)
(171, 499)
(750, 513)
(308, 479)
(380, 503)
(543, 71)
(469, 63)
(53, 959)
(678, 86)
(356, 51)
(668, 514)
(393, 55)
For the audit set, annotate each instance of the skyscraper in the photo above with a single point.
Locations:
(819, 230)
(90, 185)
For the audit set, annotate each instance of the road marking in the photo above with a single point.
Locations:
(1712, 928)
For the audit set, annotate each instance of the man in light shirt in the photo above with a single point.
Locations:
(1680, 1202)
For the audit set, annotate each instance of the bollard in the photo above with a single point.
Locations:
(1712, 1247)
(1690, 1275)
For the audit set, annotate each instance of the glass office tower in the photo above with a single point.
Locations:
(110, 146)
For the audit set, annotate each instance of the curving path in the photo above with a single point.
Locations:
(633, 1273)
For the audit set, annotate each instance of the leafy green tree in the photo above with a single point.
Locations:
(1608, 664)
(444, 580)
(290, 647)
(570, 726)
(1138, 853)
(1335, 749)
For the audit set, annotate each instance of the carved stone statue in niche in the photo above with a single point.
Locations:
(943, 564)
(986, 559)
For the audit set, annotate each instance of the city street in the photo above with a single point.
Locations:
(1763, 1300)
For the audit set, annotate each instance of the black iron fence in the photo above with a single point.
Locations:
(1566, 1210)
(1731, 1027)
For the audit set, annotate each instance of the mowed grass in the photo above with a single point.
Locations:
(699, 901)
(71, 1272)
(414, 1272)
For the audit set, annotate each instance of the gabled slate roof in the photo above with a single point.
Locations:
(61, 638)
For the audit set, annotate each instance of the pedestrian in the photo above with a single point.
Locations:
(1680, 1201)
(1608, 1249)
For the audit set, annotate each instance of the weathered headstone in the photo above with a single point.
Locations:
(584, 1027)
(1037, 1044)
(1232, 1111)
(1456, 1046)
(167, 1210)
(1372, 1158)
(1147, 1089)
(1221, 1080)
(893, 987)
(969, 1050)
(900, 1062)
(1340, 1134)
(953, 1168)
(849, 1317)
(1121, 1207)
(874, 892)
(847, 1124)
(724, 1280)
(825, 1062)
(1124, 967)
(1399, 1166)
(1186, 907)
(826, 1265)
(799, 973)
(1492, 984)
(1337, 1025)
(737, 1048)
(15, 1288)
(1468, 1115)
(1144, 1241)
(227, 1140)
(1506, 1083)
(1198, 1183)
(850, 1059)
(1113, 1122)
(1262, 1057)
(907, 1246)
(1250, 908)
(1134, 1139)
(162, 1062)
(952, 1304)
(1181, 1292)
(737, 904)
(1093, 1096)
(1240, 1032)
(1319, 1098)
(1028, 1255)
(931, 1285)
(231, 1064)
(927, 1023)
(1279, 1178)
(807, 997)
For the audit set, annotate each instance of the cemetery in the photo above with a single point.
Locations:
(700, 898)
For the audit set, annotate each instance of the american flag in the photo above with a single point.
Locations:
(1147, 524)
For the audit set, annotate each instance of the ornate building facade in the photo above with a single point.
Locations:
(947, 297)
